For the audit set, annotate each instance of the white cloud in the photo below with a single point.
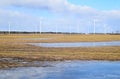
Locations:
(18, 20)
(51, 5)
(40, 4)
(57, 6)
(5, 2)
(112, 14)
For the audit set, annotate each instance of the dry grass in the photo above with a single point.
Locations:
(13, 46)
(58, 38)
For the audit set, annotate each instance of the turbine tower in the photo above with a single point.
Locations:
(88, 30)
(78, 28)
(70, 29)
(9, 28)
(105, 29)
(40, 25)
(94, 26)
(36, 29)
(56, 28)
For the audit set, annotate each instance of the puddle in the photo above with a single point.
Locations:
(67, 70)
(78, 44)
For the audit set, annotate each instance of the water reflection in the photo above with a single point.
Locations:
(78, 44)
(67, 70)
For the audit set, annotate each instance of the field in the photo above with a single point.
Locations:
(14, 49)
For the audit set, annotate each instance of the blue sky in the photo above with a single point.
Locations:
(99, 4)
(60, 15)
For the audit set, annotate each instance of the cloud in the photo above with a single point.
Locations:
(62, 6)
(5, 3)
(111, 14)
(57, 6)
(85, 13)
(42, 4)
(18, 20)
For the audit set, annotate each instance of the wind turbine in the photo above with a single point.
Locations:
(78, 28)
(89, 23)
(105, 29)
(70, 29)
(35, 28)
(9, 28)
(94, 26)
(56, 29)
(94, 23)
(40, 25)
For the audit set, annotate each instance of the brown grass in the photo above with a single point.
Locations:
(58, 38)
(13, 46)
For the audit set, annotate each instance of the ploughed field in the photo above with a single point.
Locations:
(15, 48)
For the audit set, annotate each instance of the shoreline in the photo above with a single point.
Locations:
(40, 63)
(13, 46)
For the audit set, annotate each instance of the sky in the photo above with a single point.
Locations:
(80, 16)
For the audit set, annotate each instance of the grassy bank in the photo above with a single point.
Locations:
(14, 46)
(57, 38)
